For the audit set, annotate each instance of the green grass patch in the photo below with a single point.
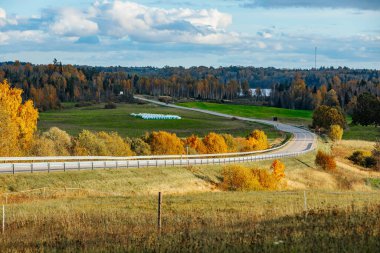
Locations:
(299, 117)
(95, 118)
(374, 182)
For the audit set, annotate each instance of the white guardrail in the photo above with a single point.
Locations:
(128, 163)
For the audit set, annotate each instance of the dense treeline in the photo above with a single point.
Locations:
(48, 85)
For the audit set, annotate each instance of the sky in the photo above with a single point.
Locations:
(260, 33)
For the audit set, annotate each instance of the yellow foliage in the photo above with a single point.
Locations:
(215, 143)
(164, 143)
(336, 132)
(8, 136)
(258, 140)
(239, 178)
(42, 146)
(242, 145)
(24, 116)
(62, 140)
(115, 145)
(230, 141)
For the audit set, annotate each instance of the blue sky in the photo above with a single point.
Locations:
(261, 33)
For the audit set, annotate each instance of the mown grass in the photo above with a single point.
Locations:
(73, 120)
(300, 117)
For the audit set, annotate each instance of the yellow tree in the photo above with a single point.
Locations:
(336, 133)
(196, 143)
(258, 140)
(278, 169)
(164, 143)
(23, 116)
(215, 143)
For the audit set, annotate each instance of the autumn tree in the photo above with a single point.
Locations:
(138, 146)
(278, 169)
(61, 139)
(325, 161)
(22, 115)
(195, 144)
(164, 143)
(8, 136)
(326, 116)
(258, 140)
(87, 143)
(215, 144)
(336, 132)
(115, 145)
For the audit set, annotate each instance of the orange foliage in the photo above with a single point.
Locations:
(164, 143)
(24, 116)
(325, 161)
(278, 169)
(196, 143)
(215, 143)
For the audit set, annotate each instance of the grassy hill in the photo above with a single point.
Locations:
(96, 118)
(302, 117)
(116, 210)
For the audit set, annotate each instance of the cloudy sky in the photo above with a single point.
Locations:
(261, 33)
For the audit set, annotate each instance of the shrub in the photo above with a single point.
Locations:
(230, 142)
(115, 145)
(138, 146)
(110, 105)
(215, 143)
(258, 140)
(363, 158)
(336, 133)
(164, 143)
(42, 146)
(61, 139)
(87, 143)
(195, 144)
(325, 161)
(239, 178)
(83, 104)
(376, 154)
(243, 145)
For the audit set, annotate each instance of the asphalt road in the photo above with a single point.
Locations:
(303, 141)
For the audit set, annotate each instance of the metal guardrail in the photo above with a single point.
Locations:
(13, 168)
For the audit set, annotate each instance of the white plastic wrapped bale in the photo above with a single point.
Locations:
(152, 116)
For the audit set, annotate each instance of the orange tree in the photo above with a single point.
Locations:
(22, 118)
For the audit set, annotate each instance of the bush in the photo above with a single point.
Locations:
(83, 104)
(258, 140)
(87, 143)
(110, 105)
(164, 143)
(336, 133)
(115, 145)
(240, 178)
(42, 146)
(325, 161)
(62, 141)
(230, 142)
(363, 158)
(215, 144)
(195, 144)
(138, 146)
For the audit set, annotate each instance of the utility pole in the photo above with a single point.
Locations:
(315, 58)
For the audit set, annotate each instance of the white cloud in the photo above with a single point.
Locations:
(71, 22)
(20, 36)
(4, 20)
(142, 23)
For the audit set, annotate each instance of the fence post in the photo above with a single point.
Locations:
(159, 212)
(31, 167)
(305, 203)
(117, 164)
(156, 163)
(138, 163)
(48, 167)
(64, 166)
(3, 226)
(127, 164)
(79, 165)
(13, 168)
(92, 165)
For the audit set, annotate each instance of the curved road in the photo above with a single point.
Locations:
(303, 141)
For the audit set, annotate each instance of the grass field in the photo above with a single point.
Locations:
(301, 117)
(73, 120)
(115, 211)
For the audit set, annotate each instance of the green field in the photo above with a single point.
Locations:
(73, 120)
(116, 211)
(299, 117)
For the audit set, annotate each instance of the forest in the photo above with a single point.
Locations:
(49, 85)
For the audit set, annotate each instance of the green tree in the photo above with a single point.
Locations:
(367, 110)
(325, 116)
